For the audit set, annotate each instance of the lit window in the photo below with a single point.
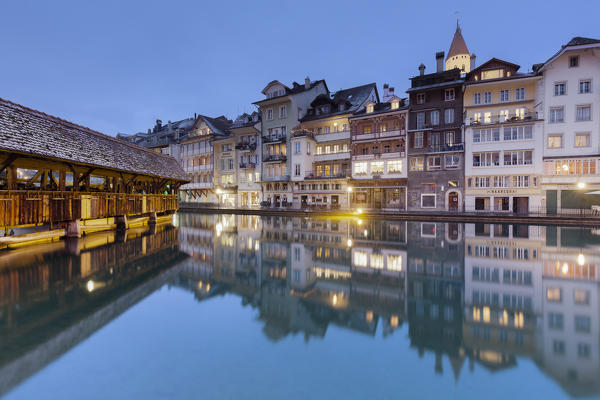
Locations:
(377, 167)
(370, 107)
(582, 140)
(360, 258)
(395, 105)
(553, 294)
(394, 166)
(581, 296)
(416, 164)
(554, 141)
(360, 168)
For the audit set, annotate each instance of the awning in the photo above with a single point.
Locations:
(594, 192)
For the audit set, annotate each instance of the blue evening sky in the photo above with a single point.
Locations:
(116, 66)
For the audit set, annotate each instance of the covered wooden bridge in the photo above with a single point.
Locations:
(54, 172)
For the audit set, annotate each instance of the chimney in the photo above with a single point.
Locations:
(149, 131)
(391, 92)
(158, 125)
(422, 69)
(195, 117)
(472, 62)
(439, 60)
(386, 91)
(307, 83)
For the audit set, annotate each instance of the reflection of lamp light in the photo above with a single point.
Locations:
(580, 259)
(334, 300)
(366, 233)
(565, 268)
(359, 211)
(90, 285)
(349, 188)
(359, 222)
(565, 167)
(349, 242)
(219, 191)
(219, 228)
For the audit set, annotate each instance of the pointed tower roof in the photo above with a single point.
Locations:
(458, 45)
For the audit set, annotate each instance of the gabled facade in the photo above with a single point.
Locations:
(321, 148)
(281, 111)
(570, 100)
(379, 154)
(503, 138)
(246, 130)
(197, 158)
(225, 171)
(435, 141)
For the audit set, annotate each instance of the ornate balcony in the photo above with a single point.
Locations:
(273, 139)
(503, 119)
(245, 146)
(246, 165)
(275, 158)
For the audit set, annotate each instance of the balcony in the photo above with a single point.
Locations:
(378, 154)
(378, 134)
(438, 148)
(245, 146)
(344, 173)
(275, 158)
(273, 139)
(504, 119)
(247, 165)
(345, 155)
(284, 178)
(303, 133)
(333, 136)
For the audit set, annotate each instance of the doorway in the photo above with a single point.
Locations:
(521, 205)
(453, 201)
(304, 201)
(377, 198)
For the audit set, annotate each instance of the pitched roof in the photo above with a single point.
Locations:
(31, 132)
(219, 125)
(295, 89)
(458, 45)
(351, 98)
(575, 42)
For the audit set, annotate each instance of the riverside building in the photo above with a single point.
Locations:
(320, 151)
(504, 139)
(281, 111)
(570, 88)
(379, 154)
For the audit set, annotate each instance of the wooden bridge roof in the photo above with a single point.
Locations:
(30, 132)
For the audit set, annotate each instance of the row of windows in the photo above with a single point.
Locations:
(510, 157)
(448, 96)
(282, 113)
(489, 135)
(582, 113)
(585, 86)
(518, 114)
(377, 167)
(504, 95)
(572, 167)
(555, 140)
(434, 118)
(518, 181)
(451, 161)
(580, 296)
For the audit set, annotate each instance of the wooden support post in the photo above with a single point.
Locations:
(73, 229)
(121, 222)
(75, 181)
(11, 175)
(62, 179)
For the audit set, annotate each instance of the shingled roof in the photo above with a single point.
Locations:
(458, 45)
(31, 132)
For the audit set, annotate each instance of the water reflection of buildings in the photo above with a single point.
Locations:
(54, 296)
(487, 294)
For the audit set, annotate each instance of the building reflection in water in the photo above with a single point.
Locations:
(485, 294)
(54, 296)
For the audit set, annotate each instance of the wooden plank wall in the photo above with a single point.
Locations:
(19, 208)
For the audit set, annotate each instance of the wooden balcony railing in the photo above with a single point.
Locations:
(20, 208)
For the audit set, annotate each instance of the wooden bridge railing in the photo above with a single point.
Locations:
(18, 208)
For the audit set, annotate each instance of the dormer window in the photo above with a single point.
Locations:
(325, 109)
(342, 107)
(420, 98)
(370, 107)
(395, 104)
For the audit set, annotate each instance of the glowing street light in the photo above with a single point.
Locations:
(581, 185)
(580, 259)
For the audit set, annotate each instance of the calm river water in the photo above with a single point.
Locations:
(227, 307)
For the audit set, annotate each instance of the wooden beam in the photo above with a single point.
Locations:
(62, 179)
(4, 164)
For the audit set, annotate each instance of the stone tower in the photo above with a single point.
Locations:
(458, 55)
